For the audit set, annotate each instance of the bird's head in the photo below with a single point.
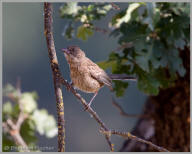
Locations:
(73, 53)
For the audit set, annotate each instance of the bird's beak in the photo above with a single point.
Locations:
(65, 51)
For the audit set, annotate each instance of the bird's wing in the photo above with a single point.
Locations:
(98, 74)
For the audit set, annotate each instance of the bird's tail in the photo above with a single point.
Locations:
(121, 77)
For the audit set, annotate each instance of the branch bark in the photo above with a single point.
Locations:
(14, 131)
(107, 132)
(90, 110)
(56, 73)
(130, 136)
(116, 7)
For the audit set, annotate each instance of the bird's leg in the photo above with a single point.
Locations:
(89, 104)
(70, 86)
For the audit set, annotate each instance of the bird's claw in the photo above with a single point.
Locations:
(87, 107)
(69, 86)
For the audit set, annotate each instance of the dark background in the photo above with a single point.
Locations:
(25, 55)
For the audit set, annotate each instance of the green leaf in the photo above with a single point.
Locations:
(69, 31)
(140, 44)
(156, 17)
(150, 9)
(149, 22)
(162, 76)
(175, 62)
(28, 131)
(120, 88)
(156, 34)
(106, 64)
(7, 142)
(143, 62)
(90, 7)
(180, 43)
(16, 110)
(147, 82)
(84, 32)
(132, 32)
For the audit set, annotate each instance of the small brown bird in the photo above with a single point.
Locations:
(85, 74)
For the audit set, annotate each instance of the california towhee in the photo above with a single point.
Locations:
(85, 74)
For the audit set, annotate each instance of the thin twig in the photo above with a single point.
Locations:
(122, 77)
(130, 136)
(21, 119)
(122, 112)
(116, 7)
(124, 45)
(56, 73)
(96, 28)
(22, 116)
(14, 131)
(102, 30)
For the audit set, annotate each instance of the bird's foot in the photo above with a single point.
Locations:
(87, 107)
(70, 86)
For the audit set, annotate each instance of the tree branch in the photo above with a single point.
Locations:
(56, 73)
(90, 110)
(116, 7)
(14, 131)
(130, 136)
(101, 30)
(104, 129)
(124, 45)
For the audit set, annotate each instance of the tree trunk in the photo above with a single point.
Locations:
(169, 112)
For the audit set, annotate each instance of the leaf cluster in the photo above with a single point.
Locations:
(84, 14)
(157, 32)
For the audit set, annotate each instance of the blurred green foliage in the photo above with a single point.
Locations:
(85, 14)
(151, 36)
(38, 120)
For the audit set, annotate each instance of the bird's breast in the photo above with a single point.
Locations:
(82, 79)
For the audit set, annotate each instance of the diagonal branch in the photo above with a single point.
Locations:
(90, 110)
(104, 129)
(130, 136)
(56, 73)
(14, 130)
